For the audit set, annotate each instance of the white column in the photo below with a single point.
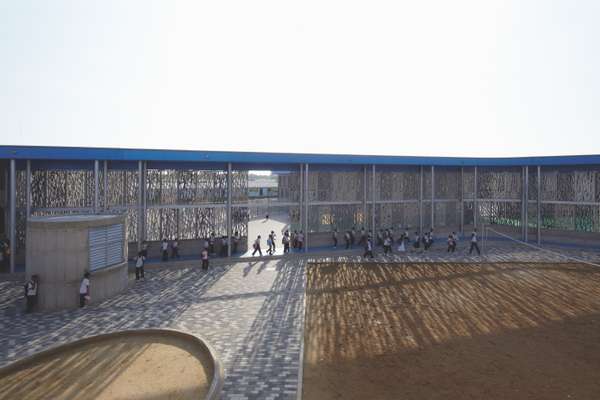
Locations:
(301, 197)
(13, 214)
(105, 184)
(462, 201)
(373, 197)
(307, 200)
(475, 206)
(432, 196)
(364, 199)
(539, 205)
(28, 193)
(421, 200)
(96, 185)
(229, 197)
(525, 208)
(140, 205)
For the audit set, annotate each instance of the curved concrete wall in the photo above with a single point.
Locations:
(58, 252)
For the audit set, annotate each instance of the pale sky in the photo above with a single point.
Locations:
(463, 78)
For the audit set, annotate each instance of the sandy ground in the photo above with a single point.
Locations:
(144, 367)
(452, 331)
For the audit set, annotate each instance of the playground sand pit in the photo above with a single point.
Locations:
(452, 331)
(145, 366)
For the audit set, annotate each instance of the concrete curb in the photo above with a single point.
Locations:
(214, 391)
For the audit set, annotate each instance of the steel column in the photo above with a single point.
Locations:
(306, 196)
(462, 201)
(364, 200)
(13, 214)
(96, 185)
(6, 202)
(145, 200)
(140, 203)
(301, 198)
(420, 200)
(539, 205)
(525, 208)
(373, 197)
(432, 197)
(475, 206)
(105, 184)
(28, 191)
(228, 209)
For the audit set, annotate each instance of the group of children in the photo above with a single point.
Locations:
(385, 239)
(295, 240)
(208, 249)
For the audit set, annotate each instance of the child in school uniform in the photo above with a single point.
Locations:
(84, 290)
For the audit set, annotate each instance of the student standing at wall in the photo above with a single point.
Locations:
(31, 293)
(474, 243)
(300, 240)
(334, 236)
(402, 246)
(387, 245)
(84, 290)
(368, 249)
(211, 244)
(285, 240)
(164, 246)
(175, 249)
(417, 242)
(204, 257)
(224, 246)
(139, 266)
(451, 244)
(236, 242)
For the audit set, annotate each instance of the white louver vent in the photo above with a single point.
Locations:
(106, 246)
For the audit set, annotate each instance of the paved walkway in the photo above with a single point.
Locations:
(251, 312)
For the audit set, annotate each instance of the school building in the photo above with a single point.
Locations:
(190, 195)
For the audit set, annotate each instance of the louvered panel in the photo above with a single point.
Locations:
(106, 246)
(114, 244)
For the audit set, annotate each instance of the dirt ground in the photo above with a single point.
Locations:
(145, 367)
(452, 331)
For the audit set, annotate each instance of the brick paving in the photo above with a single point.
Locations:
(250, 311)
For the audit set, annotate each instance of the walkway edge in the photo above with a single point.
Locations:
(303, 322)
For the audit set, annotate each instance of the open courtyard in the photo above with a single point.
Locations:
(508, 322)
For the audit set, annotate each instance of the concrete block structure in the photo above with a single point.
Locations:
(60, 249)
(191, 195)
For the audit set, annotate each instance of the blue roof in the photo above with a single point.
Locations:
(254, 160)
